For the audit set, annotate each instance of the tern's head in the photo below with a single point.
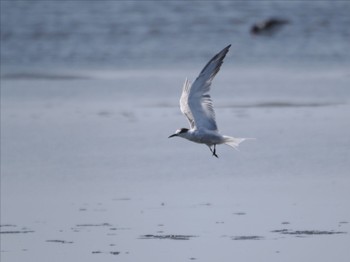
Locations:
(180, 132)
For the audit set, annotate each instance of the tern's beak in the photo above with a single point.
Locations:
(172, 135)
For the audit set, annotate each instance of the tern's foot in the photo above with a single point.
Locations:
(214, 154)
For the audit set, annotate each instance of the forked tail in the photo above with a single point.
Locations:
(233, 141)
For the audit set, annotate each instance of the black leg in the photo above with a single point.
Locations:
(214, 152)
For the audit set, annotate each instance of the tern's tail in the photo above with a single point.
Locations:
(233, 141)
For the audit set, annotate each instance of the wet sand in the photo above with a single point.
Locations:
(87, 170)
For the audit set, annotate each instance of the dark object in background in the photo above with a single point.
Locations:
(268, 26)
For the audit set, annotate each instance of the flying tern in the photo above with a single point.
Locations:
(197, 105)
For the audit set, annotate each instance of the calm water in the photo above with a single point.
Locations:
(157, 33)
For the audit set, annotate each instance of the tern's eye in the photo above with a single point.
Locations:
(183, 130)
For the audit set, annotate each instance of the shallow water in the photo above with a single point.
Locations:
(87, 170)
(146, 34)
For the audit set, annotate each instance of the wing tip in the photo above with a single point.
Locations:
(225, 50)
(219, 59)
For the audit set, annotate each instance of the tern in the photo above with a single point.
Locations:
(197, 105)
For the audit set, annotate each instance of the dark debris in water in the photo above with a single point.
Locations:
(23, 230)
(111, 252)
(307, 232)
(247, 238)
(89, 226)
(172, 237)
(95, 225)
(17, 231)
(59, 241)
(285, 223)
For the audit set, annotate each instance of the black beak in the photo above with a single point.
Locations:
(172, 135)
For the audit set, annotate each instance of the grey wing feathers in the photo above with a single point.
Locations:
(184, 103)
(198, 99)
(216, 61)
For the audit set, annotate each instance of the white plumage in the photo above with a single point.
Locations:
(197, 105)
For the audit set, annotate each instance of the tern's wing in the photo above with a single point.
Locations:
(199, 102)
(184, 103)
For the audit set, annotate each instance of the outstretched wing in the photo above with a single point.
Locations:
(184, 103)
(195, 101)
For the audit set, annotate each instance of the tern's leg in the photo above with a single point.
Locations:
(214, 151)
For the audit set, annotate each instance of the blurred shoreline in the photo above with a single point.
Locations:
(132, 34)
